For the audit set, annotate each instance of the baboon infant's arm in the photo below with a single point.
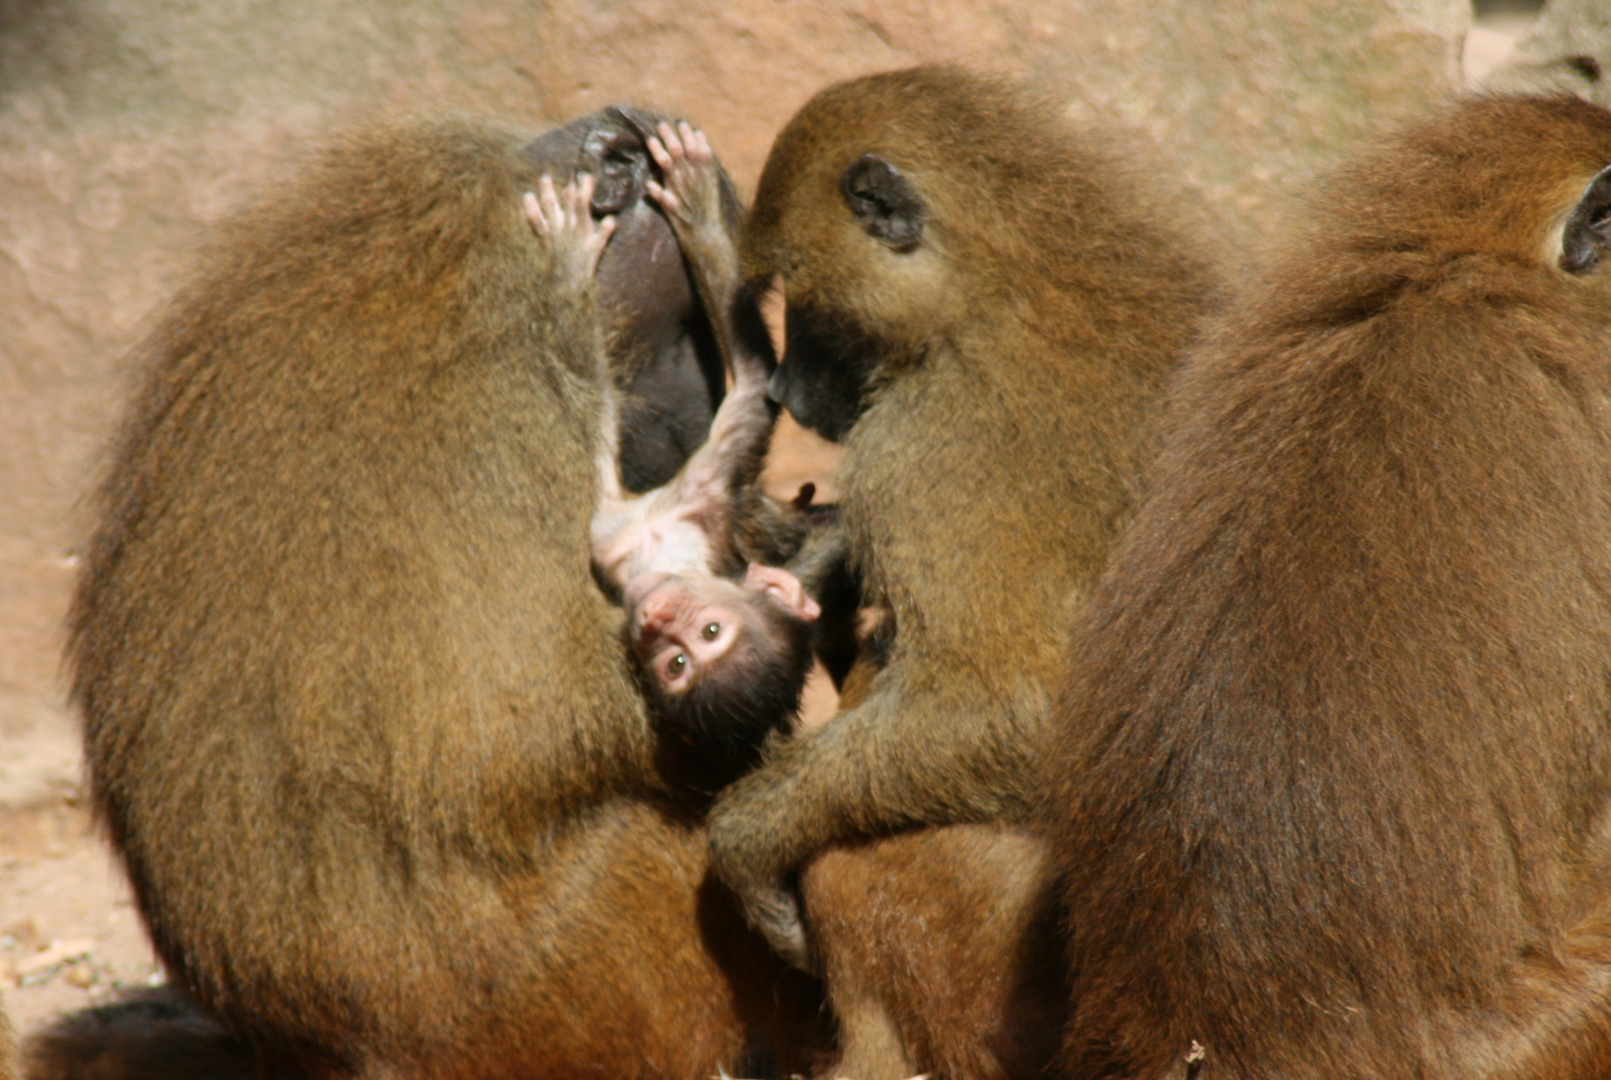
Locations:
(685, 527)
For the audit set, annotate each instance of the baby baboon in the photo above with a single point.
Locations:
(982, 306)
(357, 715)
(723, 664)
(1330, 774)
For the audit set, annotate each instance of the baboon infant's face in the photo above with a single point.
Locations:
(680, 628)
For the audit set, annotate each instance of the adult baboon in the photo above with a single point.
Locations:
(1330, 773)
(358, 717)
(982, 305)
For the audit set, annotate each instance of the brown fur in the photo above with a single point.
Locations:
(358, 719)
(940, 948)
(1018, 352)
(1330, 772)
(8, 1048)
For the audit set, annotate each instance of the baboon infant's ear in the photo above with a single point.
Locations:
(1588, 230)
(884, 201)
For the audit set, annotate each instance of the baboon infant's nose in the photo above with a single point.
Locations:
(655, 615)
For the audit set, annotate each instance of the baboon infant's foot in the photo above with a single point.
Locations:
(691, 196)
(565, 219)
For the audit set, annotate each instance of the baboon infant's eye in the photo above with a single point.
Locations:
(678, 663)
(711, 630)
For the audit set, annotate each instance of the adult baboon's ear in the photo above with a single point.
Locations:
(617, 154)
(1588, 230)
(884, 201)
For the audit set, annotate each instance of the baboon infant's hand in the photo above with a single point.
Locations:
(565, 220)
(692, 193)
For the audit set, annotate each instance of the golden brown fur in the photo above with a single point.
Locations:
(1014, 356)
(1330, 772)
(357, 716)
(940, 947)
(8, 1048)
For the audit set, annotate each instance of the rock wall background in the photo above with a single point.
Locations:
(128, 126)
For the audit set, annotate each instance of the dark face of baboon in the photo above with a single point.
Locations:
(982, 305)
(825, 383)
(831, 357)
(1329, 777)
(663, 352)
(357, 716)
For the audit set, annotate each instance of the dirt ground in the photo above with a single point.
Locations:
(70, 938)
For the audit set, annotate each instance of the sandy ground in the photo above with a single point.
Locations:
(69, 935)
